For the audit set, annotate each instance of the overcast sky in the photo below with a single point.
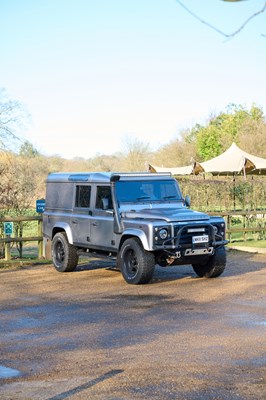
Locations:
(94, 73)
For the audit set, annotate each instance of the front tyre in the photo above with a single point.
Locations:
(64, 254)
(136, 264)
(214, 266)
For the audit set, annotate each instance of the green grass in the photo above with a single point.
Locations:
(30, 251)
(250, 243)
(21, 263)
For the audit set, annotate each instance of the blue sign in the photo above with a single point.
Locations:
(40, 206)
(8, 228)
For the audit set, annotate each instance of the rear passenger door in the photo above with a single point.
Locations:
(81, 216)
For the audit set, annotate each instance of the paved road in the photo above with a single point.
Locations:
(89, 335)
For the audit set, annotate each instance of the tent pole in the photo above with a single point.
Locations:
(245, 177)
(234, 180)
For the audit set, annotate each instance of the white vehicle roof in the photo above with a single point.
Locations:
(103, 177)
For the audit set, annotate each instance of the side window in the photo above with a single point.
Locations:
(103, 198)
(83, 196)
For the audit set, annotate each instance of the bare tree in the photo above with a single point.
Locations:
(12, 119)
(177, 153)
(19, 184)
(230, 35)
(135, 156)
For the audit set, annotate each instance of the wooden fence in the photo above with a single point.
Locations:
(240, 225)
(7, 239)
(249, 224)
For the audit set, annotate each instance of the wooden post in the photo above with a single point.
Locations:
(7, 249)
(40, 242)
(228, 226)
(47, 249)
(244, 226)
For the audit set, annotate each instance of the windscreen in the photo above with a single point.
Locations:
(142, 191)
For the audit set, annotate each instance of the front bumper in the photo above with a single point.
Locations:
(182, 244)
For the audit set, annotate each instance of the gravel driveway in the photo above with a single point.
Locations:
(89, 335)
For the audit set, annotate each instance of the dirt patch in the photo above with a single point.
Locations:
(88, 334)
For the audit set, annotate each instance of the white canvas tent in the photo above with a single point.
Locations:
(232, 162)
(235, 161)
(193, 169)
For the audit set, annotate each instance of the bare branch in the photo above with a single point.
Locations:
(228, 36)
(12, 118)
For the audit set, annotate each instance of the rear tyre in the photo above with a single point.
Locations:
(214, 266)
(136, 264)
(64, 254)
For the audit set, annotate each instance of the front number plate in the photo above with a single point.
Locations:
(200, 239)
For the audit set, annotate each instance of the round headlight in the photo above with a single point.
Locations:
(215, 229)
(163, 233)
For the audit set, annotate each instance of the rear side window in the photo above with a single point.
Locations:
(83, 196)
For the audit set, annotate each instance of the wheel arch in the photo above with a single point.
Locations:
(135, 233)
(63, 227)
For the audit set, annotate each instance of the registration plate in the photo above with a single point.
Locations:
(200, 239)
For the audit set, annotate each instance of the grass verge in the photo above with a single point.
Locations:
(261, 244)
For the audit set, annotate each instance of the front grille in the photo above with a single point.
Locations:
(189, 231)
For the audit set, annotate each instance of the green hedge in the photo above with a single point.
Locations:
(225, 193)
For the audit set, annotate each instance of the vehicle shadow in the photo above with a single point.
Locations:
(238, 263)
(88, 264)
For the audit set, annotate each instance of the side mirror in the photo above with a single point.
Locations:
(187, 201)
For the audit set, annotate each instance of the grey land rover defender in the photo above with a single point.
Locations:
(139, 219)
